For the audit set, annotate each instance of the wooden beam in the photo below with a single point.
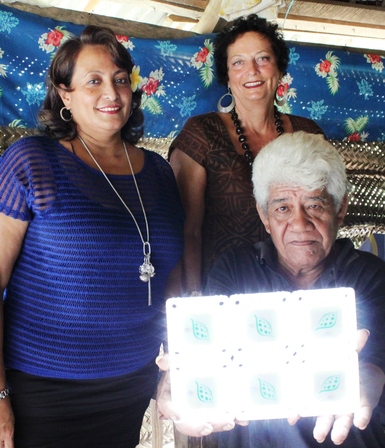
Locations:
(361, 39)
(197, 5)
(338, 11)
(127, 27)
(209, 18)
(181, 19)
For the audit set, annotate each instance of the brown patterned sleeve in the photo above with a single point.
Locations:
(194, 138)
(306, 125)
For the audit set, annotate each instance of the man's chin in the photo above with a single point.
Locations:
(304, 258)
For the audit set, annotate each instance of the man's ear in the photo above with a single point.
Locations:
(343, 209)
(263, 217)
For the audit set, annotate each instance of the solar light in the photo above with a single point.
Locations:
(264, 355)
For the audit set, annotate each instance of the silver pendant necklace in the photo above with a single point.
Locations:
(146, 269)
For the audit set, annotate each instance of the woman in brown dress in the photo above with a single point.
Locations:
(211, 156)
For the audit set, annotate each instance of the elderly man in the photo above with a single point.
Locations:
(301, 188)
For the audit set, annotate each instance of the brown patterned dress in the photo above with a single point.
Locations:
(231, 218)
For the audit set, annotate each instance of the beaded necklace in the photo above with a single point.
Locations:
(242, 138)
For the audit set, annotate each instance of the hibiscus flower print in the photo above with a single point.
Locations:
(151, 86)
(54, 38)
(376, 61)
(153, 90)
(51, 41)
(327, 69)
(125, 41)
(202, 55)
(324, 67)
(355, 137)
(203, 61)
(373, 58)
(285, 92)
(354, 129)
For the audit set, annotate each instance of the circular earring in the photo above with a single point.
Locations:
(62, 115)
(230, 107)
(281, 95)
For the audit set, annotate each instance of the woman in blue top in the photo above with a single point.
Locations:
(90, 229)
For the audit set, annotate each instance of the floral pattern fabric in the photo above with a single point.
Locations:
(343, 91)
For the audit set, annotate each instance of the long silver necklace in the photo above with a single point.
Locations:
(146, 270)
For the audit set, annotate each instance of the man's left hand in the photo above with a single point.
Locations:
(372, 380)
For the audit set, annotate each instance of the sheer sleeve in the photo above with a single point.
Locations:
(25, 181)
(14, 184)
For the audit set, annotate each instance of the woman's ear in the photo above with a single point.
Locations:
(64, 95)
(264, 218)
(343, 209)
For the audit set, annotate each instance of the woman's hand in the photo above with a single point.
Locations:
(168, 411)
(12, 232)
(6, 424)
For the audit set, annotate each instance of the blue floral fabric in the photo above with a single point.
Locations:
(343, 91)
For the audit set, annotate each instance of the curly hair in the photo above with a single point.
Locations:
(241, 26)
(302, 160)
(61, 72)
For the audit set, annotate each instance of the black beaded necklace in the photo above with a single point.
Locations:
(242, 138)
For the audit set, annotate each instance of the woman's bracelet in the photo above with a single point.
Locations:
(4, 393)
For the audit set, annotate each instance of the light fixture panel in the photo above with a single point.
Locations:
(264, 355)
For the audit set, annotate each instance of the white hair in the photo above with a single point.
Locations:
(302, 160)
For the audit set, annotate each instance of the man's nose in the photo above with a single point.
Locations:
(300, 220)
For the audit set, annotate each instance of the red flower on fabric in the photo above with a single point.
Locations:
(374, 58)
(282, 88)
(202, 55)
(325, 66)
(120, 38)
(355, 137)
(151, 86)
(54, 37)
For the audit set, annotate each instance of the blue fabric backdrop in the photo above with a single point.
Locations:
(342, 91)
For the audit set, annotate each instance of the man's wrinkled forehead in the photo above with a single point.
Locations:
(279, 194)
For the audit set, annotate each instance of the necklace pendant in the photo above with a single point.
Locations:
(146, 270)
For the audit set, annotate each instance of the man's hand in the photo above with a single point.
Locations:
(168, 411)
(372, 380)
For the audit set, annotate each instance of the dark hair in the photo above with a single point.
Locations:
(241, 26)
(61, 71)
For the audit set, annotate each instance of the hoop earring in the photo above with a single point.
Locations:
(230, 107)
(281, 99)
(62, 116)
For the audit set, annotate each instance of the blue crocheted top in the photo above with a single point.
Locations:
(75, 307)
